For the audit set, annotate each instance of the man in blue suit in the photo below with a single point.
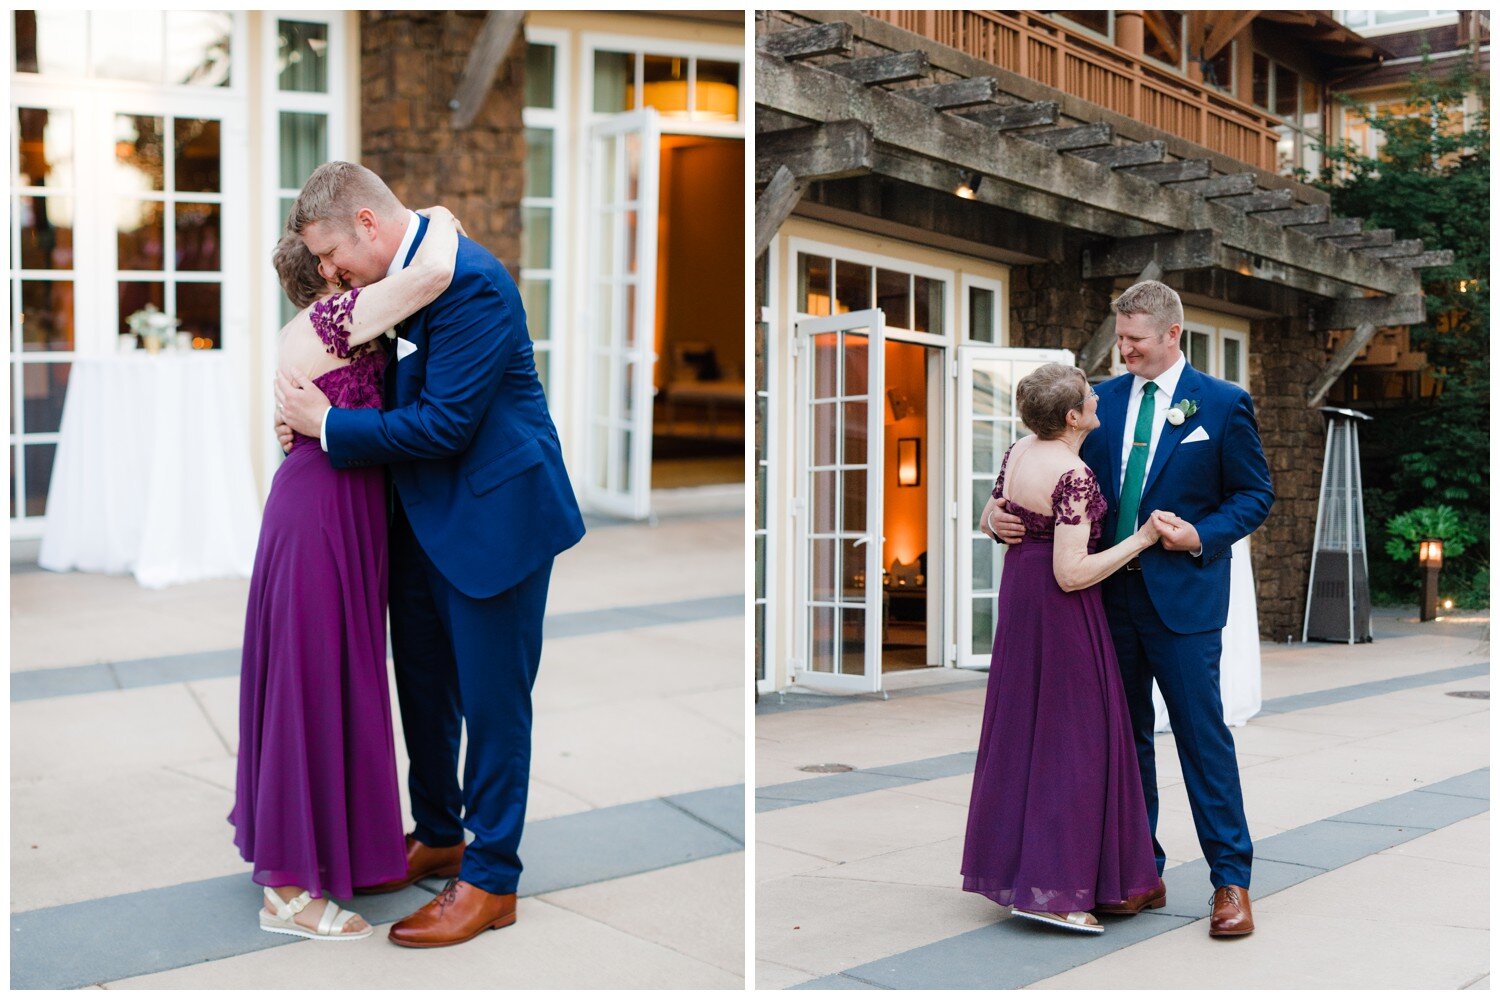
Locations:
(1197, 463)
(481, 504)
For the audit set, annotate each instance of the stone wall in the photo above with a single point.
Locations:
(1053, 306)
(410, 65)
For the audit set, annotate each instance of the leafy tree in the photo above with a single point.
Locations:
(1407, 532)
(1430, 180)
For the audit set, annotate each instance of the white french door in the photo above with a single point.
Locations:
(838, 506)
(620, 312)
(988, 424)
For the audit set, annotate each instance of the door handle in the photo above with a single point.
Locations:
(860, 541)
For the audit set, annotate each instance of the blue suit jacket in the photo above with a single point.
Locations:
(472, 450)
(1222, 486)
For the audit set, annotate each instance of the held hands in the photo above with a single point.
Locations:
(1176, 534)
(300, 405)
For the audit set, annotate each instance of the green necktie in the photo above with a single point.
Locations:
(1135, 469)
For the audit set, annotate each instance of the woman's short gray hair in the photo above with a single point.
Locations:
(1046, 397)
(1150, 298)
(298, 270)
(336, 192)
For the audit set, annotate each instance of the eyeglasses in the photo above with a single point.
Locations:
(1089, 394)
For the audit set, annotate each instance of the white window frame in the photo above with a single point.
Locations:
(968, 281)
(773, 538)
(644, 45)
(557, 120)
(93, 103)
(334, 104)
(1217, 335)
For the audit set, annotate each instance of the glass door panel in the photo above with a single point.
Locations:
(988, 424)
(624, 155)
(839, 513)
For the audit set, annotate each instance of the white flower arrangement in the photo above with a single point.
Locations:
(153, 326)
(1185, 408)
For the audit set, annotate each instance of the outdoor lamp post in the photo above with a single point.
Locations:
(1430, 558)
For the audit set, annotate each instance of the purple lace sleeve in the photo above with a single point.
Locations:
(1000, 479)
(1077, 497)
(332, 319)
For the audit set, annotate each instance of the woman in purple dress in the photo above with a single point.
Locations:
(1057, 820)
(317, 808)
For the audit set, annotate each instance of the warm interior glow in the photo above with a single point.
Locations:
(716, 101)
(906, 467)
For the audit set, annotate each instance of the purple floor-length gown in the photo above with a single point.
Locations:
(1057, 820)
(316, 799)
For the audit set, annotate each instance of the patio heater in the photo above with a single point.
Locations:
(1338, 589)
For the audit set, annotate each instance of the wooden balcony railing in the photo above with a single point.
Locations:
(1054, 55)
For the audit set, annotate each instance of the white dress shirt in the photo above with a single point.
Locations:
(398, 262)
(1166, 387)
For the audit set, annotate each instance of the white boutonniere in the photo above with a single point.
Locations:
(1185, 408)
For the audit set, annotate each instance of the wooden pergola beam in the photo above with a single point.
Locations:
(805, 43)
(1133, 154)
(1157, 24)
(1189, 251)
(773, 205)
(1130, 206)
(874, 70)
(1225, 25)
(1342, 358)
(1014, 116)
(815, 152)
(495, 38)
(975, 92)
(1381, 310)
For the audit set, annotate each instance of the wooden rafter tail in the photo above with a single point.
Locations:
(877, 70)
(1302, 215)
(1219, 187)
(1432, 258)
(1170, 173)
(1400, 248)
(978, 91)
(1079, 137)
(1014, 116)
(494, 41)
(1337, 227)
(1371, 238)
(836, 38)
(1131, 154)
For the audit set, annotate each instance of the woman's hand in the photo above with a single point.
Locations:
(1151, 532)
(438, 212)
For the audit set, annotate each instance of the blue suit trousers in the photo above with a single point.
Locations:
(1186, 667)
(466, 663)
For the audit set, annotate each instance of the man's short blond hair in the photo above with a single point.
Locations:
(1150, 298)
(336, 192)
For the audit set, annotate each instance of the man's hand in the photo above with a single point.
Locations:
(1177, 535)
(1001, 525)
(300, 403)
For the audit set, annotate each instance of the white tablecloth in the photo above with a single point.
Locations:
(1239, 669)
(152, 475)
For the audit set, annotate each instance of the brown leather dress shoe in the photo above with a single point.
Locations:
(1231, 916)
(421, 862)
(460, 912)
(1151, 899)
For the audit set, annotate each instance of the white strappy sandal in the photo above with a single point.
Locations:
(330, 926)
(1068, 921)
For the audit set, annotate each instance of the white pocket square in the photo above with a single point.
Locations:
(404, 347)
(1199, 434)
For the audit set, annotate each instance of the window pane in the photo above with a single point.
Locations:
(1287, 84)
(893, 294)
(813, 280)
(198, 47)
(665, 85)
(1312, 108)
(47, 42)
(543, 359)
(140, 158)
(982, 315)
(1231, 360)
(46, 147)
(1198, 350)
(46, 232)
(1260, 80)
(928, 299)
(538, 163)
(302, 56)
(1220, 69)
(197, 149)
(38, 476)
(197, 237)
(717, 94)
(614, 76)
(140, 239)
(43, 388)
(541, 67)
(127, 45)
(304, 146)
(133, 296)
(536, 237)
(855, 285)
(535, 294)
(199, 307)
(47, 316)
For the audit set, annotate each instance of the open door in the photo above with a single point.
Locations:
(988, 424)
(838, 503)
(620, 313)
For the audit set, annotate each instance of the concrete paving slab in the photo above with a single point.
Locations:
(1451, 895)
(775, 976)
(723, 809)
(108, 733)
(1466, 842)
(861, 826)
(772, 862)
(937, 865)
(526, 955)
(697, 909)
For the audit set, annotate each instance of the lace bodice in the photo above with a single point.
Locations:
(1076, 496)
(357, 385)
